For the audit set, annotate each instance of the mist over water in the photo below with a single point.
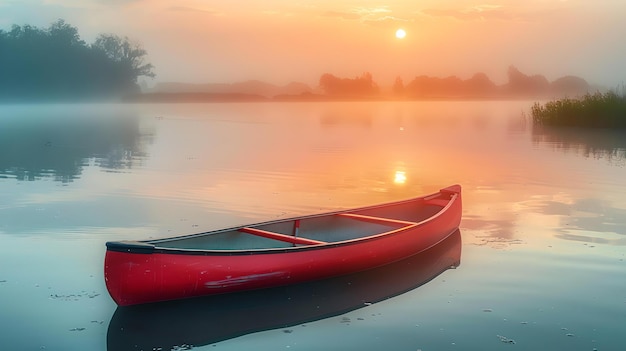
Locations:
(542, 234)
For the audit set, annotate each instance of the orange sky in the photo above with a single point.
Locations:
(285, 40)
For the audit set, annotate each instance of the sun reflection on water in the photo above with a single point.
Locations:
(399, 177)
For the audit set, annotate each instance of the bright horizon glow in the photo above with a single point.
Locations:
(279, 42)
(400, 33)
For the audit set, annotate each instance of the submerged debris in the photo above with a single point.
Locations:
(74, 297)
(77, 329)
(506, 340)
(497, 242)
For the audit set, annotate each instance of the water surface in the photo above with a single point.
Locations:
(543, 231)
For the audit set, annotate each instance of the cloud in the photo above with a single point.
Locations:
(379, 16)
(371, 11)
(192, 9)
(476, 13)
(376, 16)
(386, 21)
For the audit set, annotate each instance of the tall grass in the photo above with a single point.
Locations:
(599, 110)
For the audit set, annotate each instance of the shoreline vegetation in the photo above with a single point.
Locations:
(184, 97)
(364, 88)
(55, 65)
(599, 110)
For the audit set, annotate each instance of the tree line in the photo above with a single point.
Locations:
(54, 63)
(478, 86)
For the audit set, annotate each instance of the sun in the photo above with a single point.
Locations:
(400, 33)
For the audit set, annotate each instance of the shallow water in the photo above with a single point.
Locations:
(543, 231)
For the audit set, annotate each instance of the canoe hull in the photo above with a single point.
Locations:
(136, 276)
(211, 319)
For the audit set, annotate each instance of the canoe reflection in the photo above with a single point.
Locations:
(207, 320)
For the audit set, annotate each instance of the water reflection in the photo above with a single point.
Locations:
(518, 124)
(493, 232)
(399, 177)
(586, 220)
(346, 115)
(335, 120)
(209, 320)
(59, 141)
(597, 143)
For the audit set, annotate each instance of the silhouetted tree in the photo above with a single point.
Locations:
(64, 34)
(425, 86)
(126, 57)
(420, 86)
(363, 86)
(522, 84)
(480, 85)
(570, 86)
(330, 84)
(125, 52)
(398, 87)
(54, 63)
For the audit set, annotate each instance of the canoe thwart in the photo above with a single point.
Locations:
(375, 219)
(281, 237)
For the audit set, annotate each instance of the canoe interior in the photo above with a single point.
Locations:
(327, 228)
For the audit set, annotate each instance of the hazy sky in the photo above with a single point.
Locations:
(280, 41)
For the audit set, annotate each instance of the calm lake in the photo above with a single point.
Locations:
(542, 243)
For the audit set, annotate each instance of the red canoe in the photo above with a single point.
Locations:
(279, 252)
(211, 319)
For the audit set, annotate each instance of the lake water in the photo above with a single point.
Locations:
(542, 242)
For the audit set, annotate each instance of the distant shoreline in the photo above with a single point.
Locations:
(306, 97)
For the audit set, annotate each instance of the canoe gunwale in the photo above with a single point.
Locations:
(151, 246)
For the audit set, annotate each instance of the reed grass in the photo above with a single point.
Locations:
(599, 110)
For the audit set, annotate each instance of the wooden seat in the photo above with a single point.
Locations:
(281, 237)
(375, 219)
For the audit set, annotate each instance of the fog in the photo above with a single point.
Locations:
(282, 41)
